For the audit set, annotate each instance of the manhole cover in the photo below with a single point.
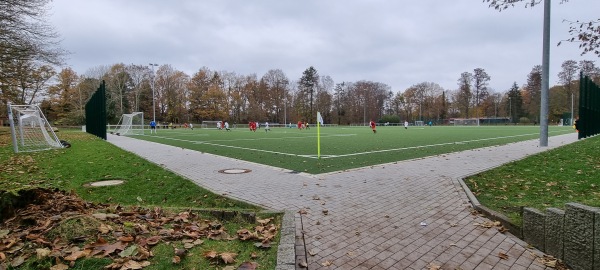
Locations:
(234, 171)
(105, 183)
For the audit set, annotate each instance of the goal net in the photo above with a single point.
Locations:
(30, 129)
(466, 122)
(419, 123)
(209, 124)
(130, 124)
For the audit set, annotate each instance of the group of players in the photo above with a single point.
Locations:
(223, 125)
(253, 125)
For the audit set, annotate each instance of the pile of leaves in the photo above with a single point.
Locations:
(57, 229)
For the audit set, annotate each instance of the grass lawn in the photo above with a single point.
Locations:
(147, 186)
(343, 148)
(570, 173)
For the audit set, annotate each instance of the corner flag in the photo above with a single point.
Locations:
(319, 123)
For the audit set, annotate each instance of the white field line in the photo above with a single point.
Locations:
(345, 155)
(425, 146)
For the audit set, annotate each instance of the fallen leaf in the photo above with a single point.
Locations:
(211, 254)
(176, 260)
(433, 266)
(153, 240)
(326, 263)
(180, 251)
(264, 221)
(77, 254)
(312, 252)
(302, 212)
(40, 253)
(128, 252)
(59, 266)
(131, 264)
(303, 264)
(228, 257)
(16, 262)
(253, 255)
(248, 266)
(104, 229)
(4, 233)
(503, 255)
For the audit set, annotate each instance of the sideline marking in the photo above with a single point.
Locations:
(431, 145)
(344, 155)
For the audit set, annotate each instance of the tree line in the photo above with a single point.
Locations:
(30, 53)
(274, 97)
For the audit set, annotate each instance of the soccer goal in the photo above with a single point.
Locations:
(419, 123)
(466, 122)
(130, 124)
(209, 124)
(30, 129)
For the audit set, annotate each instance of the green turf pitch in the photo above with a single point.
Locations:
(343, 148)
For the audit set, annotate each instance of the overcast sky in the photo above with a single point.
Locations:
(399, 43)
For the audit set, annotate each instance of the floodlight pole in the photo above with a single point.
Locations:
(153, 95)
(572, 112)
(545, 76)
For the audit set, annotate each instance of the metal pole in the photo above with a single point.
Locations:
(545, 76)
(11, 121)
(153, 95)
(510, 108)
(572, 116)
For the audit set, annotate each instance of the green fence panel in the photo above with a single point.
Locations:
(589, 108)
(95, 113)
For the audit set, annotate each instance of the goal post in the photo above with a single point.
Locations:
(419, 123)
(130, 124)
(209, 124)
(466, 122)
(30, 129)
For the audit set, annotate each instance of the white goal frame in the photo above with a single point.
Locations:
(30, 129)
(419, 123)
(466, 122)
(210, 124)
(130, 124)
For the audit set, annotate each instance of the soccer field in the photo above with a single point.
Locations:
(343, 147)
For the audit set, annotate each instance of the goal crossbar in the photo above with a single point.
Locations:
(30, 129)
(130, 124)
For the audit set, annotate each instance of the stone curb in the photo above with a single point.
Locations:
(491, 214)
(286, 253)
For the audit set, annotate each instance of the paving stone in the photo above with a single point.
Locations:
(360, 199)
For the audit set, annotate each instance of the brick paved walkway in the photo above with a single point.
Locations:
(406, 215)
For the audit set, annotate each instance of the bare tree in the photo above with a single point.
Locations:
(465, 93)
(587, 33)
(480, 82)
(567, 76)
(532, 91)
(138, 74)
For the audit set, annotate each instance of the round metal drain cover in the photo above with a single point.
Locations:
(105, 183)
(234, 171)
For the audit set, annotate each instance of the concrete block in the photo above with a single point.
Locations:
(579, 236)
(533, 227)
(286, 254)
(597, 240)
(554, 226)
